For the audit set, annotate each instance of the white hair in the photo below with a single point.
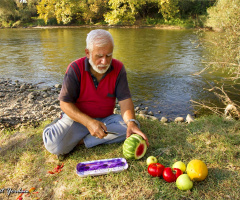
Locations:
(99, 37)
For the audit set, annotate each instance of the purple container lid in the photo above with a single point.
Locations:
(100, 167)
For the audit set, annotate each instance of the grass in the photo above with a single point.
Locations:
(24, 163)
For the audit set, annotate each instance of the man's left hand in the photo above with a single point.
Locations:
(133, 129)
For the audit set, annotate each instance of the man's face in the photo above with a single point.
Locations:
(100, 58)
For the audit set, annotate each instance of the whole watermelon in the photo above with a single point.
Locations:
(134, 147)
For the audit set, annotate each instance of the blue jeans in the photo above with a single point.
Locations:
(60, 138)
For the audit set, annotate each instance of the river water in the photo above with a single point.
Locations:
(160, 63)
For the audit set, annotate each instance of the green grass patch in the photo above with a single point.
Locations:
(24, 163)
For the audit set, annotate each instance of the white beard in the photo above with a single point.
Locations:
(96, 67)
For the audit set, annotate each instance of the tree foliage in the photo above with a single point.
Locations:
(122, 11)
(126, 11)
(169, 9)
(15, 10)
(225, 17)
(194, 7)
(111, 11)
(224, 51)
(94, 11)
(66, 11)
(7, 10)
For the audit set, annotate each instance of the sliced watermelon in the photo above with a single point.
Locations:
(134, 147)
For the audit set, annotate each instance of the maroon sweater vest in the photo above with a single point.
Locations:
(97, 102)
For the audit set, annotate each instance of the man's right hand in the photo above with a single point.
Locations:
(96, 128)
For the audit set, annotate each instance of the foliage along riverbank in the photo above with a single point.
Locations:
(15, 13)
(163, 26)
(183, 24)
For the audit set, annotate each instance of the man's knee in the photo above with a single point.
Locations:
(59, 139)
(52, 141)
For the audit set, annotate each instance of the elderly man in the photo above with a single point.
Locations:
(90, 88)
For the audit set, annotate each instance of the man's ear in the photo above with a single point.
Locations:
(87, 53)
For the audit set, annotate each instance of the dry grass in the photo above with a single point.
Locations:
(24, 164)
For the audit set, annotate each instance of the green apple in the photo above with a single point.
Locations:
(179, 165)
(151, 159)
(183, 182)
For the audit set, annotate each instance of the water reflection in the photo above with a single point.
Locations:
(159, 63)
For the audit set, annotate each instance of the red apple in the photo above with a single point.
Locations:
(155, 169)
(170, 175)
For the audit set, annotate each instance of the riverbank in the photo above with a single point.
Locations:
(163, 26)
(24, 104)
(168, 25)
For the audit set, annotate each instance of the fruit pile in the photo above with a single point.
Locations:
(135, 147)
(196, 170)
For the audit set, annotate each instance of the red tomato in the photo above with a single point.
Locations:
(170, 175)
(155, 169)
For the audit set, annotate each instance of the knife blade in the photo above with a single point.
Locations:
(110, 132)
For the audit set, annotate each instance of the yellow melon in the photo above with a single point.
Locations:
(197, 170)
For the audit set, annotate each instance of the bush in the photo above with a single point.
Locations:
(224, 50)
(17, 24)
(225, 15)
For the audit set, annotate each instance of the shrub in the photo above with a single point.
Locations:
(224, 50)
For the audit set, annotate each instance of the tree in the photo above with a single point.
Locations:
(93, 11)
(17, 10)
(169, 9)
(26, 9)
(193, 8)
(46, 9)
(65, 10)
(8, 10)
(124, 11)
(121, 13)
(224, 51)
(225, 17)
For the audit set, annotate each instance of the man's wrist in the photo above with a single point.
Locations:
(133, 120)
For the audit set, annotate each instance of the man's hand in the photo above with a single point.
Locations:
(133, 129)
(96, 128)
(127, 110)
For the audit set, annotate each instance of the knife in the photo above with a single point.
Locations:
(110, 132)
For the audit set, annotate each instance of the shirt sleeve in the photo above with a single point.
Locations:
(71, 86)
(122, 90)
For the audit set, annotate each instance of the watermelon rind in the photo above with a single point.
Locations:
(131, 146)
